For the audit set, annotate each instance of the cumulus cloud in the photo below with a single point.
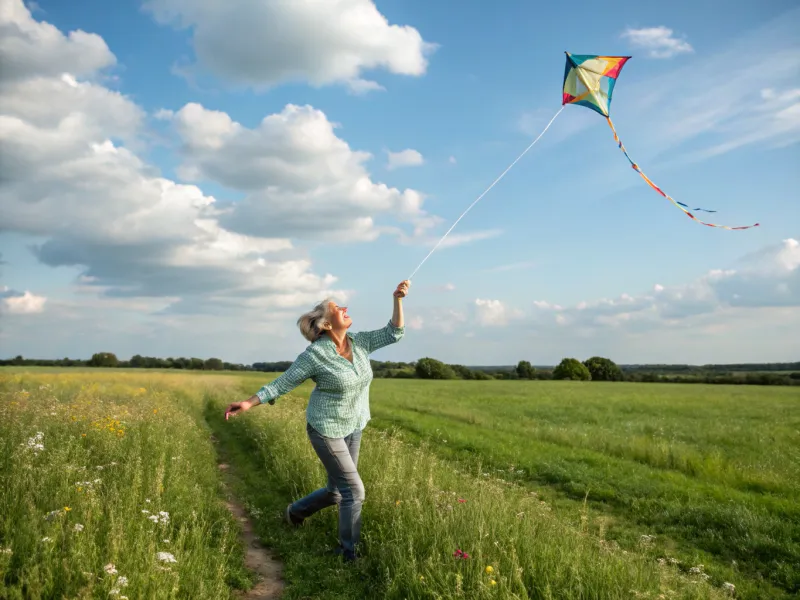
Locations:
(16, 303)
(494, 313)
(300, 179)
(405, 158)
(28, 46)
(659, 42)
(769, 278)
(268, 42)
(67, 180)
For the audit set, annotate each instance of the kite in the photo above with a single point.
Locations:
(589, 81)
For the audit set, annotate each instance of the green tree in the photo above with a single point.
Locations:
(430, 368)
(213, 364)
(571, 368)
(525, 370)
(603, 369)
(104, 359)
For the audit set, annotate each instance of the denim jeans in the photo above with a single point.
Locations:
(339, 456)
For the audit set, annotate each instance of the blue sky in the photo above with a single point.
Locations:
(121, 248)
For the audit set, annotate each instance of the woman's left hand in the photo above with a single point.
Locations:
(402, 289)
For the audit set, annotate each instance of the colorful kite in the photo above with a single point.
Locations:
(589, 81)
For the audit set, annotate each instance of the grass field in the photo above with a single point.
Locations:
(551, 484)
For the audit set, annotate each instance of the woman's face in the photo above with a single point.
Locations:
(338, 317)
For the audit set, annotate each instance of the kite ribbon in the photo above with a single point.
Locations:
(486, 191)
(680, 205)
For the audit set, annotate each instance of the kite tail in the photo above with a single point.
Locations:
(680, 205)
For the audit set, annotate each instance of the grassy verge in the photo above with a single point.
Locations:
(108, 486)
(708, 471)
(419, 511)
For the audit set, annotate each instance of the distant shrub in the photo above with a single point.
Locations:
(603, 369)
(571, 368)
(430, 368)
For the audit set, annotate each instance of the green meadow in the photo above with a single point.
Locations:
(110, 487)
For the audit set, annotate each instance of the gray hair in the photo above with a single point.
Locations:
(310, 323)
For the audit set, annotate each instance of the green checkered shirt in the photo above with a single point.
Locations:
(339, 403)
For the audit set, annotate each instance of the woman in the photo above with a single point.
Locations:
(338, 409)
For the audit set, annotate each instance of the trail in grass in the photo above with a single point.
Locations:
(257, 559)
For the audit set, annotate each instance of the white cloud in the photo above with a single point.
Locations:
(405, 158)
(660, 42)
(98, 207)
(300, 179)
(452, 160)
(21, 304)
(267, 42)
(769, 278)
(27, 46)
(416, 323)
(491, 313)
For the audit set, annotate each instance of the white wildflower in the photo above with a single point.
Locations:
(729, 587)
(78, 527)
(122, 581)
(145, 511)
(153, 518)
(114, 592)
(147, 500)
(165, 541)
(46, 539)
(110, 569)
(164, 516)
(166, 557)
(52, 515)
(6, 551)
(35, 442)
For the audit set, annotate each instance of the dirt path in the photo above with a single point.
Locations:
(257, 559)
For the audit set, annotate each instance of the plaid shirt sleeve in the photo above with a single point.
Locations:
(301, 369)
(374, 340)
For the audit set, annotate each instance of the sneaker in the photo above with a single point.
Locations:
(291, 519)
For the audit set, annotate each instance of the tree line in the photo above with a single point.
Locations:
(595, 368)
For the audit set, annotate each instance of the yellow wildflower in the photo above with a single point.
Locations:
(489, 569)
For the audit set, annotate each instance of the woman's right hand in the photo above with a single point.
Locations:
(234, 408)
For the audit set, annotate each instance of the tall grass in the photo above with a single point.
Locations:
(109, 488)
(419, 513)
(713, 472)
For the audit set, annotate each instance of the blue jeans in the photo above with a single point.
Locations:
(339, 456)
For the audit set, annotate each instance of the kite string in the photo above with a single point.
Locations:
(486, 191)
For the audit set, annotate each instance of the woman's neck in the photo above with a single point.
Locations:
(339, 339)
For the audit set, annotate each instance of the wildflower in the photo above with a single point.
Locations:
(397, 502)
(110, 569)
(147, 500)
(35, 442)
(729, 587)
(67, 509)
(165, 541)
(492, 582)
(489, 569)
(52, 515)
(153, 518)
(122, 581)
(46, 539)
(422, 578)
(6, 551)
(145, 511)
(462, 501)
(460, 554)
(78, 527)
(166, 557)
